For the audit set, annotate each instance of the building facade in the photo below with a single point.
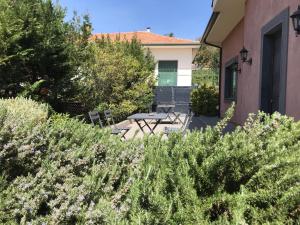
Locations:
(267, 78)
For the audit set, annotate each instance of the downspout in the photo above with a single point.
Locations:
(210, 25)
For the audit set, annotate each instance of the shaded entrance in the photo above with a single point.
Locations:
(274, 64)
(272, 73)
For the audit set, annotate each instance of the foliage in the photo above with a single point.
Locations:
(205, 100)
(44, 58)
(205, 77)
(23, 120)
(208, 57)
(36, 44)
(61, 171)
(119, 76)
(37, 91)
(170, 34)
(248, 177)
(80, 174)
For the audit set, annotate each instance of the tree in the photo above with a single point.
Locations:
(36, 44)
(170, 34)
(119, 76)
(207, 57)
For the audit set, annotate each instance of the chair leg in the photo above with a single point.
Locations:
(123, 135)
(177, 117)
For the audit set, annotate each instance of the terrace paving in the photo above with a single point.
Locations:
(197, 123)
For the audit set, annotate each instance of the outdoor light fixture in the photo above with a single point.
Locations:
(296, 21)
(244, 56)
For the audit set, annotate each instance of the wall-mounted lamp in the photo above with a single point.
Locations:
(244, 56)
(296, 21)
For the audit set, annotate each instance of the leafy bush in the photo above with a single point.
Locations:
(205, 100)
(87, 176)
(208, 57)
(68, 172)
(50, 60)
(37, 45)
(22, 122)
(119, 76)
(205, 77)
(248, 177)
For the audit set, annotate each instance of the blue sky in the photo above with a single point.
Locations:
(185, 18)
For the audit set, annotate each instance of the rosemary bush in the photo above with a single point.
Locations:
(73, 173)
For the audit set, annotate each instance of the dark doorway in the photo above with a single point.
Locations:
(272, 72)
(274, 64)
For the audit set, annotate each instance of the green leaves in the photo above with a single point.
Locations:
(208, 57)
(37, 44)
(59, 170)
(119, 76)
(78, 173)
(205, 100)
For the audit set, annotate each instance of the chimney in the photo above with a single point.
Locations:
(149, 29)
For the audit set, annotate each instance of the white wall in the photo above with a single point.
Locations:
(184, 56)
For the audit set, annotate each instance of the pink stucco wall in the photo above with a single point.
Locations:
(231, 48)
(248, 33)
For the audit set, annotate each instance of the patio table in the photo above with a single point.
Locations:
(169, 108)
(157, 117)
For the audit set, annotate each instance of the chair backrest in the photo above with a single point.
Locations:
(95, 118)
(109, 117)
(187, 121)
(164, 95)
(182, 95)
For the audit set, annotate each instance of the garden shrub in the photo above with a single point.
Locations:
(119, 76)
(205, 100)
(22, 126)
(207, 77)
(87, 176)
(38, 45)
(80, 174)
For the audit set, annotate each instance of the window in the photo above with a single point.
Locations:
(167, 73)
(231, 81)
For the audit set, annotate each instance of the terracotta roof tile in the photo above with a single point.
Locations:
(145, 38)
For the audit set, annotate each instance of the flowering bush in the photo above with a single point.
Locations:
(68, 172)
(78, 174)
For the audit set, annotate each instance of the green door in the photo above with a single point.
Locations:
(167, 73)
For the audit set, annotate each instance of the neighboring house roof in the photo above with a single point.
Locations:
(147, 38)
(226, 15)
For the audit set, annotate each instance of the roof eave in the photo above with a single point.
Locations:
(171, 44)
(223, 20)
(209, 27)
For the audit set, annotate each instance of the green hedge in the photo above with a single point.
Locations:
(71, 173)
(205, 77)
(205, 100)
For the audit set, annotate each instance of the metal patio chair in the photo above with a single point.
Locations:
(95, 118)
(183, 129)
(123, 130)
(165, 101)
